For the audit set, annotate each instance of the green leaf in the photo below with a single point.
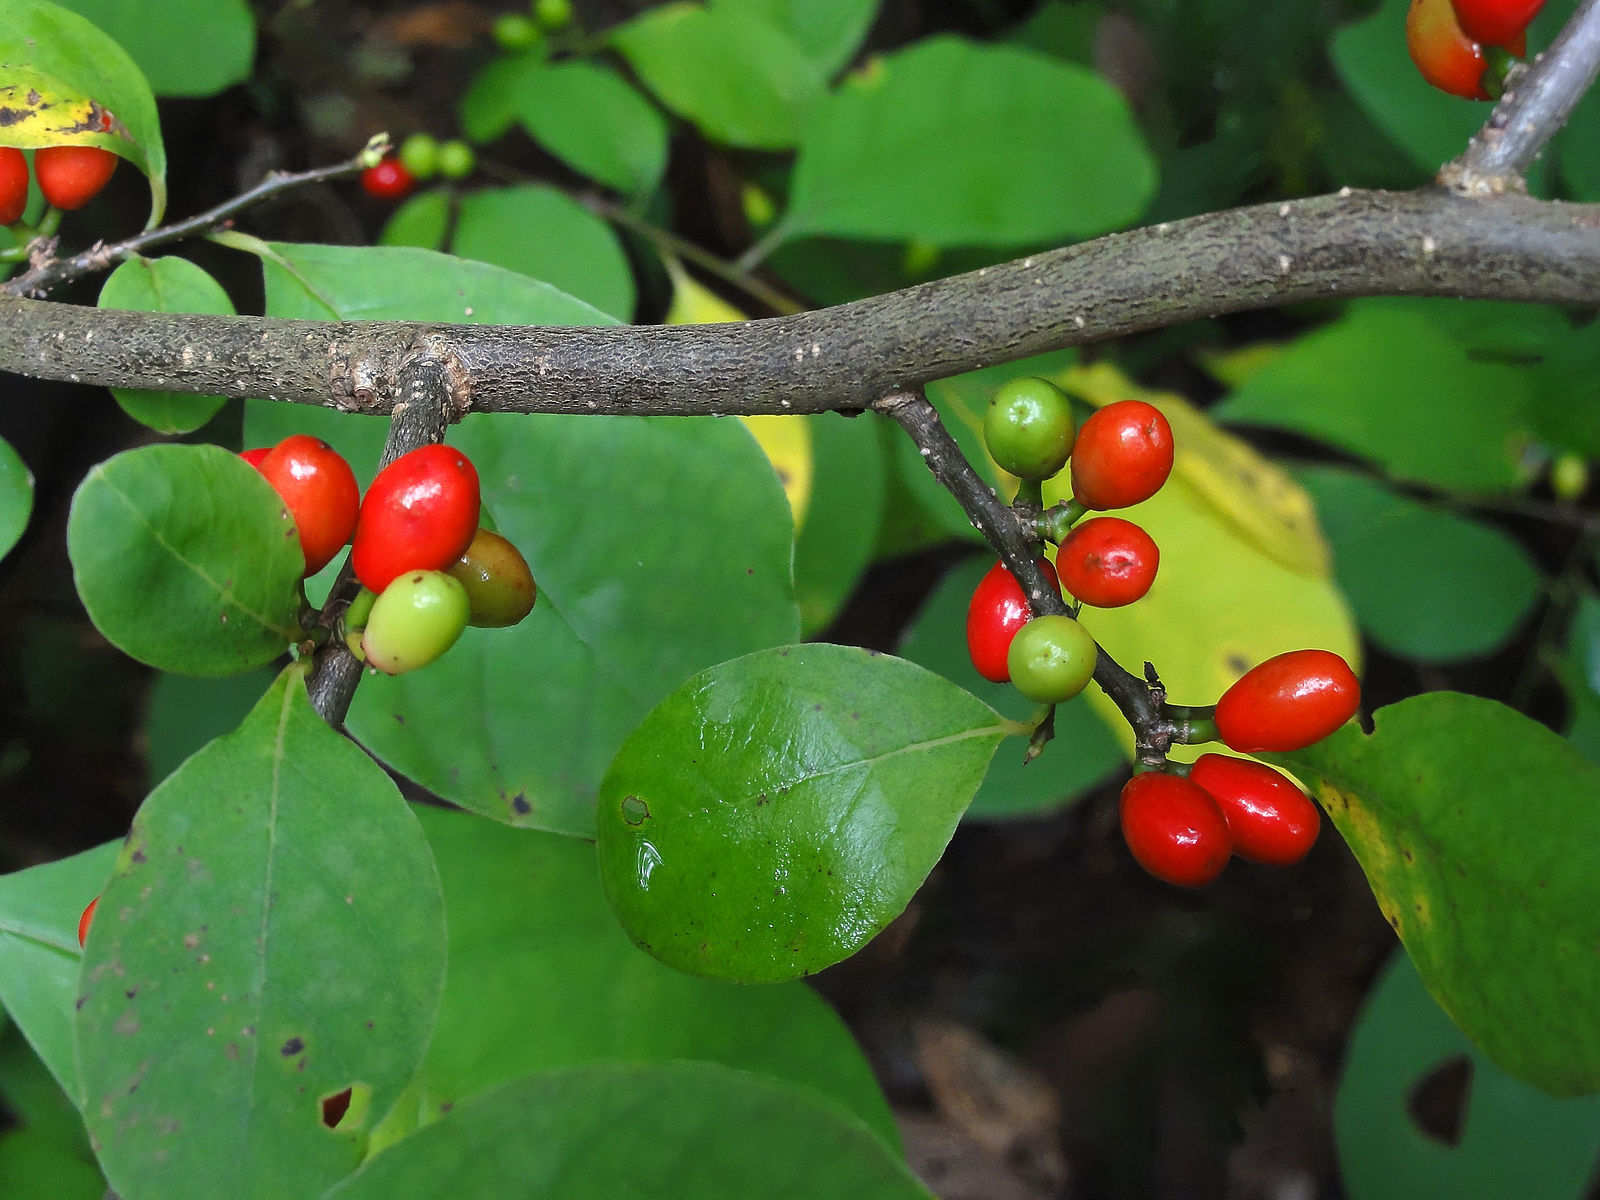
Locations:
(742, 81)
(16, 497)
(184, 713)
(670, 1131)
(1514, 1141)
(1083, 752)
(34, 1098)
(60, 68)
(33, 1166)
(199, 528)
(828, 32)
(1464, 815)
(1578, 668)
(842, 519)
(422, 221)
(39, 911)
(540, 977)
(169, 285)
(621, 618)
(1424, 583)
(543, 233)
(272, 935)
(162, 38)
(1030, 150)
(590, 118)
(488, 108)
(1385, 382)
(775, 812)
(1371, 59)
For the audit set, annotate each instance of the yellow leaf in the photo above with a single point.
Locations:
(37, 109)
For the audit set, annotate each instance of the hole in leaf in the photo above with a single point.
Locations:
(1438, 1102)
(334, 1108)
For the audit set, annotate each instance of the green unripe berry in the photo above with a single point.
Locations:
(1569, 476)
(553, 14)
(500, 587)
(1051, 659)
(1029, 428)
(414, 620)
(419, 154)
(516, 33)
(456, 160)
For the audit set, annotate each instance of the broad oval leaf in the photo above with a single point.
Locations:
(742, 81)
(594, 121)
(1424, 583)
(39, 910)
(670, 1131)
(1472, 822)
(828, 32)
(776, 811)
(162, 38)
(16, 497)
(273, 934)
(540, 977)
(1031, 150)
(169, 285)
(1514, 1141)
(199, 528)
(55, 61)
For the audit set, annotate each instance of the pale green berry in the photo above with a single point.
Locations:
(414, 620)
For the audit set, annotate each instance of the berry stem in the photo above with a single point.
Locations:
(1057, 521)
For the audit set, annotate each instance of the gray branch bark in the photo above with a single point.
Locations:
(1426, 243)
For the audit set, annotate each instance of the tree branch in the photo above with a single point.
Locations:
(1426, 243)
(1532, 110)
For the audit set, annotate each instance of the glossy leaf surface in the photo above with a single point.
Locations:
(16, 496)
(162, 38)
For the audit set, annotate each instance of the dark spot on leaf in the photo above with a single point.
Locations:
(78, 1004)
(519, 803)
(783, 654)
(399, 718)
(1438, 1103)
(292, 1047)
(634, 810)
(232, 1051)
(447, 1106)
(816, 708)
(1409, 857)
(334, 1108)
(761, 799)
(131, 993)
(749, 570)
(369, 1025)
(138, 856)
(1236, 663)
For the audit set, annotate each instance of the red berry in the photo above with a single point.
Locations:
(389, 180)
(319, 489)
(1288, 702)
(254, 457)
(1122, 456)
(1496, 22)
(1107, 562)
(1175, 829)
(13, 184)
(71, 176)
(1448, 59)
(997, 610)
(419, 515)
(85, 921)
(1269, 818)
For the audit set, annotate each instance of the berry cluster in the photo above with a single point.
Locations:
(1182, 824)
(1121, 457)
(1450, 41)
(69, 177)
(427, 568)
(420, 158)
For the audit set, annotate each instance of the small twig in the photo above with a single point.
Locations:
(1012, 539)
(420, 417)
(57, 271)
(1535, 105)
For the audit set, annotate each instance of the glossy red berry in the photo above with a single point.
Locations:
(1447, 58)
(997, 610)
(86, 920)
(254, 455)
(319, 489)
(1496, 22)
(13, 184)
(1270, 819)
(1122, 456)
(389, 180)
(1107, 562)
(1175, 829)
(71, 176)
(1288, 702)
(419, 515)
